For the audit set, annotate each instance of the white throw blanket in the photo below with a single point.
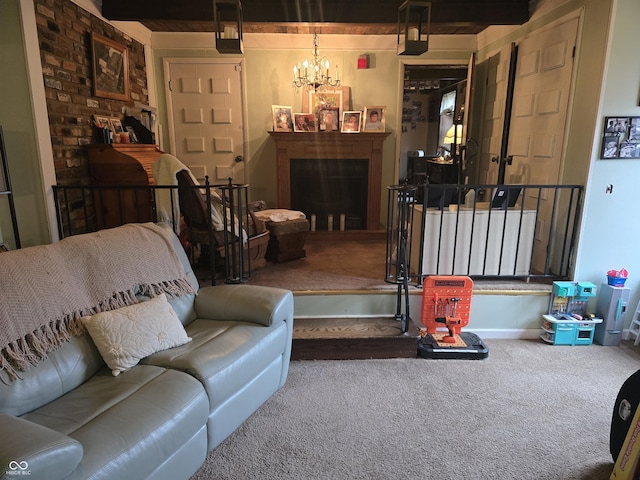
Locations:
(164, 170)
(47, 289)
(279, 215)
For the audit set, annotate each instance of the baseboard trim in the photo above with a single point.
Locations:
(506, 333)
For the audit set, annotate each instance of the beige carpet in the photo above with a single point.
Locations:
(529, 411)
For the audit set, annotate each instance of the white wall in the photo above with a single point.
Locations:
(19, 121)
(611, 228)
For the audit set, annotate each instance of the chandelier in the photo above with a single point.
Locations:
(314, 73)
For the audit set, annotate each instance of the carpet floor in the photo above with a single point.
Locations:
(528, 411)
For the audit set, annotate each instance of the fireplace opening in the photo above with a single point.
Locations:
(324, 187)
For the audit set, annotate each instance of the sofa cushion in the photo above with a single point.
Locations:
(37, 450)
(130, 424)
(126, 335)
(225, 356)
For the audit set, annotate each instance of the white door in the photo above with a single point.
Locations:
(538, 120)
(206, 124)
(540, 101)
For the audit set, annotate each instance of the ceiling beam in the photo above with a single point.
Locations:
(461, 12)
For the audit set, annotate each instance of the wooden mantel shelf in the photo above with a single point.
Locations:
(332, 146)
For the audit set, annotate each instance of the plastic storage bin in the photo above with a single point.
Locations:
(616, 281)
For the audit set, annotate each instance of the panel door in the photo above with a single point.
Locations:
(538, 120)
(494, 109)
(541, 98)
(207, 118)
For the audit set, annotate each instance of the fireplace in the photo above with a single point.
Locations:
(334, 173)
(331, 189)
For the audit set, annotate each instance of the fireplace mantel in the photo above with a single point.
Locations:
(334, 146)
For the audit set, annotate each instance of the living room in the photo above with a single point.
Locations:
(606, 83)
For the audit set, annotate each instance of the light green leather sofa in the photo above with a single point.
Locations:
(70, 418)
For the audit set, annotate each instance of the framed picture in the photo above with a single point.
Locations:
(351, 121)
(304, 122)
(116, 125)
(374, 119)
(282, 119)
(621, 138)
(324, 99)
(329, 119)
(110, 68)
(102, 122)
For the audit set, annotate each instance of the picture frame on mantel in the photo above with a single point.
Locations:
(110, 68)
(336, 97)
(374, 119)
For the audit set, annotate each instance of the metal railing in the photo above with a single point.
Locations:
(523, 232)
(85, 209)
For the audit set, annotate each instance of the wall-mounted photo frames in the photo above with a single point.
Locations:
(282, 118)
(374, 119)
(621, 138)
(351, 121)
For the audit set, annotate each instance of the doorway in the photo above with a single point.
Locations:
(207, 117)
(433, 98)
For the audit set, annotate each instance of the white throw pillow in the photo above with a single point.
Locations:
(126, 335)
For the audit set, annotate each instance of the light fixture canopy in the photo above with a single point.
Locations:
(314, 73)
(227, 16)
(414, 22)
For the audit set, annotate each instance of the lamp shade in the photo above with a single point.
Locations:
(449, 137)
(227, 16)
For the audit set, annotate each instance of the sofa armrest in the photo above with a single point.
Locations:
(248, 303)
(29, 447)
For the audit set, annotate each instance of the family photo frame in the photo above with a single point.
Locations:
(110, 68)
(374, 119)
(351, 121)
(282, 118)
(305, 122)
(621, 138)
(329, 119)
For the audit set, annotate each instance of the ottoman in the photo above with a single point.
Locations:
(287, 233)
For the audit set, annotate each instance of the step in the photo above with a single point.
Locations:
(352, 339)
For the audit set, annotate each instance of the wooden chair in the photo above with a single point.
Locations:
(232, 255)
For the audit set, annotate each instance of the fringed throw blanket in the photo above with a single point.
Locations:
(45, 290)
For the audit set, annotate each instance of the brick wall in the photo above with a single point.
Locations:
(64, 34)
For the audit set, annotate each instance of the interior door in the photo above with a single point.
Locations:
(538, 120)
(540, 101)
(207, 117)
(496, 73)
